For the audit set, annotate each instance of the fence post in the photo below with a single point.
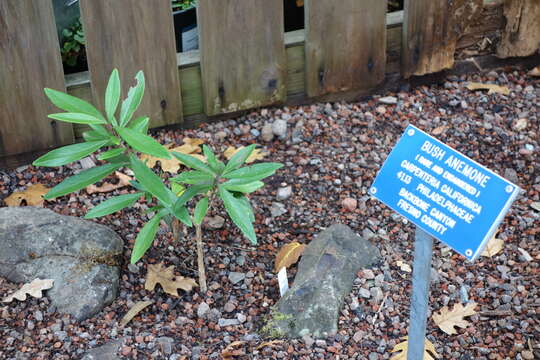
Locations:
(431, 29)
(345, 45)
(29, 61)
(243, 61)
(521, 37)
(134, 35)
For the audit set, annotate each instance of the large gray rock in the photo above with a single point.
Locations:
(325, 276)
(81, 256)
(107, 351)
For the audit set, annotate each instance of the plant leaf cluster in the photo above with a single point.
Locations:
(123, 134)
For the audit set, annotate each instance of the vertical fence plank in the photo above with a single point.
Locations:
(243, 61)
(521, 37)
(29, 61)
(345, 45)
(134, 35)
(431, 29)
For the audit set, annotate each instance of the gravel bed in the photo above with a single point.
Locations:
(332, 153)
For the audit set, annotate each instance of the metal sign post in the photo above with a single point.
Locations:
(423, 250)
(447, 196)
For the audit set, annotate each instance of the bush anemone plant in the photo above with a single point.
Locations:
(123, 136)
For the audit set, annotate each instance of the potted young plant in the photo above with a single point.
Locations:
(185, 25)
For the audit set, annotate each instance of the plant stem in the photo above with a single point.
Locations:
(176, 229)
(200, 259)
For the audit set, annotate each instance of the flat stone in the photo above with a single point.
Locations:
(79, 255)
(105, 352)
(236, 277)
(202, 309)
(284, 193)
(267, 134)
(166, 344)
(228, 322)
(279, 128)
(325, 277)
(214, 222)
(388, 100)
(277, 209)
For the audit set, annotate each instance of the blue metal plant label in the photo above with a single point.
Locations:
(446, 194)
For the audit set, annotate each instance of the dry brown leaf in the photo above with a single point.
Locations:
(229, 352)
(165, 277)
(535, 71)
(135, 309)
(288, 255)
(123, 180)
(447, 319)
(492, 88)
(429, 350)
(32, 196)
(270, 343)
(439, 130)
(257, 154)
(190, 147)
(493, 247)
(33, 289)
(404, 266)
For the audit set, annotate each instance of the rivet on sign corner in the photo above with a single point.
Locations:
(410, 132)
(509, 188)
(468, 252)
(373, 190)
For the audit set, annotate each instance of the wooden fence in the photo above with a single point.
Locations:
(245, 59)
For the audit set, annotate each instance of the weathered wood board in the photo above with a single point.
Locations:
(134, 35)
(345, 45)
(521, 37)
(431, 30)
(243, 60)
(29, 61)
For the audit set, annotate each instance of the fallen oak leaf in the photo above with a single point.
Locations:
(429, 350)
(269, 343)
(191, 147)
(170, 283)
(492, 88)
(447, 319)
(493, 247)
(123, 180)
(32, 196)
(33, 289)
(288, 255)
(135, 309)
(229, 352)
(257, 154)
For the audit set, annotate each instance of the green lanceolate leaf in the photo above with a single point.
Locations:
(233, 185)
(77, 118)
(111, 154)
(239, 158)
(151, 182)
(254, 172)
(200, 211)
(70, 153)
(193, 162)
(177, 189)
(145, 238)
(101, 130)
(237, 211)
(143, 143)
(140, 124)
(181, 213)
(113, 205)
(244, 201)
(193, 177)
(93, 135)
(82, 180)
(216, 165)
(133, 100)
(71, 103)
(190, 193)
(112, 96)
